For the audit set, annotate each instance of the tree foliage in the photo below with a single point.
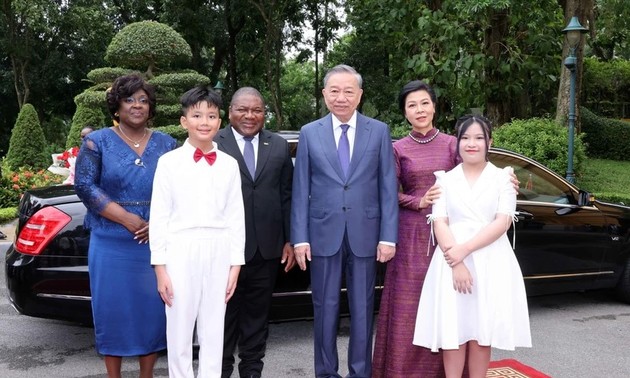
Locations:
(500, 55)
(27, 145)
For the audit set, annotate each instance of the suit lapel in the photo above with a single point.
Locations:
(228, 144)
(329, 145)
(264, 150)
(361, 141)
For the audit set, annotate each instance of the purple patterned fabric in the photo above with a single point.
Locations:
(394, 353)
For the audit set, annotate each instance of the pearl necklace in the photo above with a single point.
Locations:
(426, 140)
(136, 144)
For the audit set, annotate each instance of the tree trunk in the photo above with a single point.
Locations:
(273, 52)
(498, 108)
(233, 29)
(583, 9)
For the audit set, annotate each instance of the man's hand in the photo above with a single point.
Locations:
(164, 286)
(384, 252)
(302, 253)
(288, 257)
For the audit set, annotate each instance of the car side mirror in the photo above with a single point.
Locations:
(585, 198)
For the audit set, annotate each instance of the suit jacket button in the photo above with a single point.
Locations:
(343, 208)
(345, 187)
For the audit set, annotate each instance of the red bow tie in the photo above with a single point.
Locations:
(210, 156)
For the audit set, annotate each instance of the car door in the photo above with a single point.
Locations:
(560, 245)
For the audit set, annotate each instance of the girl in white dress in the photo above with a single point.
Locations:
(473, 296)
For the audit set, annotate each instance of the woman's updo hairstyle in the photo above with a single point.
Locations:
(414, 86)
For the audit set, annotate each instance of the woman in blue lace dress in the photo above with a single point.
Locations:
(114, 179)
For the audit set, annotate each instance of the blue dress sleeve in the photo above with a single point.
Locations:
(87, 176)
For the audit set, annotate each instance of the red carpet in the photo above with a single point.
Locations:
(512, 369)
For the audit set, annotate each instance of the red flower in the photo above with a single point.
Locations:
(63, 157)
(16, 187)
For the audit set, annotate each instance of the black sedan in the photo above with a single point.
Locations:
(565, 241)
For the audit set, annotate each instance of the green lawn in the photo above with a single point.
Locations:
(606, 179)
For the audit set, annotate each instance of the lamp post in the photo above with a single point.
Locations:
(573, 33)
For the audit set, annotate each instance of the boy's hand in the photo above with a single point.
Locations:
(231, 284)
(165, 288)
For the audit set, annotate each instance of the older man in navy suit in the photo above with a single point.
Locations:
(344, 217)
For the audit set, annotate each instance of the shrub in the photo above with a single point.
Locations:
(543, 140)
(176, 131)
(92, 98)
(606, 85)
(605, 138)
(7, 214)
(27, 143)
(147, 45)
(107, 74)
(15, 183)
(180, 80)
(84, 116)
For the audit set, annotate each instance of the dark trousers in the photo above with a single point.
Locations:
(326, 279)
(246, 317)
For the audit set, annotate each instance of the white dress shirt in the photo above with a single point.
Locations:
(352, 130)
(189, 196)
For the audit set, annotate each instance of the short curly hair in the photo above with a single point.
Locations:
(126, 86)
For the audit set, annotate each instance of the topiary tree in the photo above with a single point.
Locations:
(541, 139)
(147, 45)
(84, 116)
(28, 144)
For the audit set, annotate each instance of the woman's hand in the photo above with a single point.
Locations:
(138, 227)
(430, 197)
(462, 279)
(455, 255)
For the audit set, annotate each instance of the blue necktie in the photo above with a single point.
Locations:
(248, 155)
(343, 149)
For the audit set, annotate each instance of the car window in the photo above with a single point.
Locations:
(536, 184)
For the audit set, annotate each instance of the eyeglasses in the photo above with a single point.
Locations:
(140, 100)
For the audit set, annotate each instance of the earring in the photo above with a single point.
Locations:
(116, 114)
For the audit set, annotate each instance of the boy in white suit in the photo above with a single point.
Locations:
(197, 236)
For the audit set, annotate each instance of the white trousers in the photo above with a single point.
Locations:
(198, 269)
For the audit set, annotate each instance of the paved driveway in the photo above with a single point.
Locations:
(574, 335)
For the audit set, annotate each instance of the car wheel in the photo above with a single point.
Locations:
(623, 287)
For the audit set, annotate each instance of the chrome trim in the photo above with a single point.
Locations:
(556, 205)
(65, 297)
(567, 275)
(309, 292)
